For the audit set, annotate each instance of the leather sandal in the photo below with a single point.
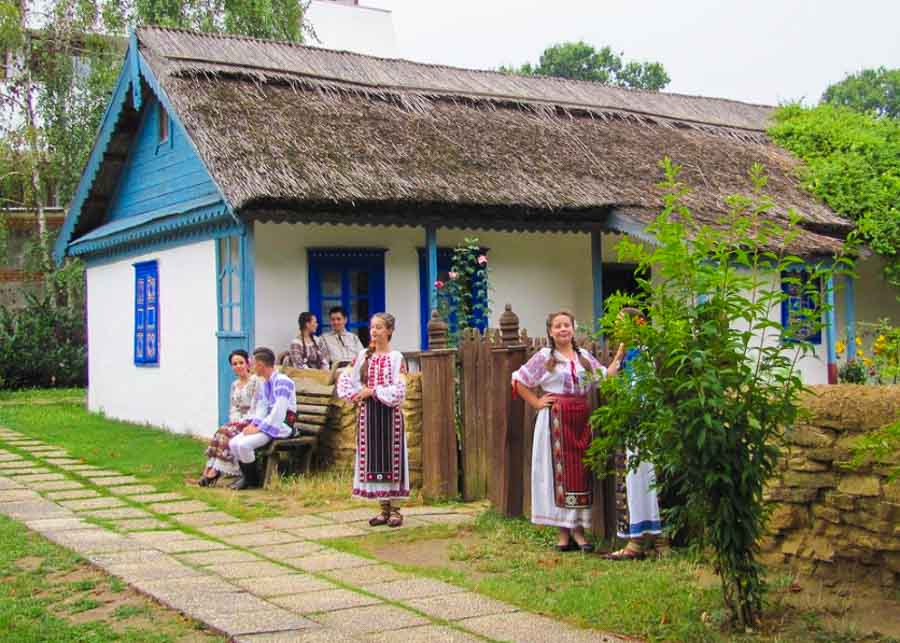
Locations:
(569, 546)
(208, 481)
(396, 519)
(380, 519)
(626, 553)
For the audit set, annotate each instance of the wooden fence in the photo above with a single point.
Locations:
(490, 431)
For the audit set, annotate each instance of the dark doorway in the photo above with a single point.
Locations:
(619, 277)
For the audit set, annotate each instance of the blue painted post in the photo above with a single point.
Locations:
(830, 328)
(431, 264)
(850, 313)
(597, 275)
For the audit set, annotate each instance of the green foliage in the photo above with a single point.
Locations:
(853, 372)
(870, 90)
(882, 445)
(714, 386)
(463, 299)
(886, 352)
(41, 345)
(581, 61)
(851, 164)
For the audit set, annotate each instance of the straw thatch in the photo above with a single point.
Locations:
(302, 134)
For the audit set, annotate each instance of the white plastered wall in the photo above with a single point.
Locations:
(875, 299)
(534, 272)
(181, 393)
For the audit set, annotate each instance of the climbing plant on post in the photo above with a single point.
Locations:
(463, 299)
(717, 382)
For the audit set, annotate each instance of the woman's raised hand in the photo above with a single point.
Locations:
(616, 363)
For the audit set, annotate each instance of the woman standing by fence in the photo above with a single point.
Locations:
(561, 484)
(375, 384)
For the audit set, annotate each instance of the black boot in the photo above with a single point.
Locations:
(248, 477)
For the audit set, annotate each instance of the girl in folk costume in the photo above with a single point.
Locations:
(307, 350)
(376, 384)
(641, 519)
(561, 484)
(220, 460)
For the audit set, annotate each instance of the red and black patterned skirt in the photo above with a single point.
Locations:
(570, 436)
(218, 444)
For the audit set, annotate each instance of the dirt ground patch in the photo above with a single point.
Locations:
(437, 553)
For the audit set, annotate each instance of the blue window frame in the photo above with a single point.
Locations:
(146, 313)
(800, 310)
(230, 265)
(444, 261)
(349, 277)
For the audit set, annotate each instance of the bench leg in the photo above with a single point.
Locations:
(307, 459)
(271, 469)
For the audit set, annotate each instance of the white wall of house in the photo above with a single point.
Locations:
(180, 393)
(875, 299)
(534, 272)
(349, 27)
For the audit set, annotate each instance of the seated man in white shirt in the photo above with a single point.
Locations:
(341, 346)
(274, 406)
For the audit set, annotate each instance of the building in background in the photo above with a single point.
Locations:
(346, 25)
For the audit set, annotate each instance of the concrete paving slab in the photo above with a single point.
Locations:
(33, 510)
(328, 531)
(524, 627)
(88, 467)
(270, 620)
(198, 604)
(50, 453)
(57, 524)
(409, 522)
(18, 495)
(224, 531)
(220, 557)
(261, 569)
(96, 472)
(72, 494)
(40, 447)
(112, 480)
(460, 605)
(85, 540)
(282, 585)
(413, 588)
(350, 515)
(131, 489)
(265, 538)
(9, 483)
(186, 545)
(312, 635)
(152, 571)
(6, 456)
(324, 601)
(287, 550)
(335, 560)
(448, 519)
(201, 586)
(28, 478)
(204, 518)
(153, 538)
(139, 524)
(133, 557)
(292, 522)
(365, 576)
(63, 461)
(56, 485)
(91, 503)
(152, 497)
(18, 465)
(188, 506)
(121, 512)
(423, 634)
(375, 618)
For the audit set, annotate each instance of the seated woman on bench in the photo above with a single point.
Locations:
(220, 461)
(275, 408)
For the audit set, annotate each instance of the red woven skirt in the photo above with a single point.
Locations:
(570, 436)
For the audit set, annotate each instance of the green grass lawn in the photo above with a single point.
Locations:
(48, 594)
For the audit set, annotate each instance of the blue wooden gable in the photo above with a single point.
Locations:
(144, 182)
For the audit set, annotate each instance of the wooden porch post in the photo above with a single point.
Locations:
(431, 267)
(830, 328)
(597, 273)
(440, 471)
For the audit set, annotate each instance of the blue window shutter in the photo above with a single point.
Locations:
(146, 313)
(797, 307)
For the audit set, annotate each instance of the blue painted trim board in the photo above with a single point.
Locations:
(830, 328)
(850, 315)
(431, 274)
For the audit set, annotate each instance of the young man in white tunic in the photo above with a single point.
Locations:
(561, 484)
(341, 346)
(276, 397)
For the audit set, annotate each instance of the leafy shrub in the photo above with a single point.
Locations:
(42, 345)
(853, 372)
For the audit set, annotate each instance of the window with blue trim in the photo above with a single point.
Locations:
(229, 280)
(146, 313)
(352, 278)
(800, 310)
(478, 318)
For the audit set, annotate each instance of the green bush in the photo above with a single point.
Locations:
(42, 345)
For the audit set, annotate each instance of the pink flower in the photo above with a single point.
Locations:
(482, 259)
(438, 284)
(453, 275)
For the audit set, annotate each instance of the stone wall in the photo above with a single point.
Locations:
(339, 438)
(830, 519)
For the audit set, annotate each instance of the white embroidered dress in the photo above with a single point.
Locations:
(385, 378)
(533, 374)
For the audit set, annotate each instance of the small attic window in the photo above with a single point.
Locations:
(163, 124)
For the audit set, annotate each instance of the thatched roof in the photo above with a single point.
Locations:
(298, 133)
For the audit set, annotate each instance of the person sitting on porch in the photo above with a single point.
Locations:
(220, 461)
(341, 346)
(274, 409)
(642, 520)
(377, 386)
(306, 350)
(561, 484)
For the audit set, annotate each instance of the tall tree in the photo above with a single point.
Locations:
(870, 90)
(581, 61)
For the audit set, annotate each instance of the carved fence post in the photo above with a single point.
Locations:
(439, 456)
(506, 476)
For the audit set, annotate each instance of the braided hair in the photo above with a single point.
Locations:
(552, 361)
(389, 323)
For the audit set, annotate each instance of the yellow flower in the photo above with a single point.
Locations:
(839, 347)
(858, 341)
(867, 361)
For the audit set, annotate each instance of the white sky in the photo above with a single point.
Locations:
(762, 51)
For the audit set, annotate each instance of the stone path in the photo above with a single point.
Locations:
(263, 581)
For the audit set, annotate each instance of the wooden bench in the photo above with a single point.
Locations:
(280, 456)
